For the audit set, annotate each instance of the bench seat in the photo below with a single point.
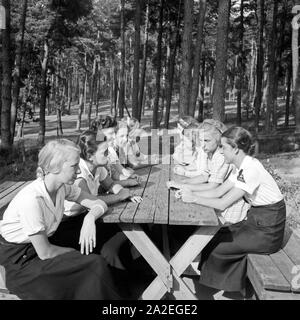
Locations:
(277, 276)
(8, 190)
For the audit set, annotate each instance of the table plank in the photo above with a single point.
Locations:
(128, 214)
(6, 184)
(285, 265)
(268, 274)
(115, 212)
(14, 186)
(187, 213)
(154, 208)
(292, 248)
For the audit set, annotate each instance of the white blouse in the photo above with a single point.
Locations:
(93, 183)
(261, 189)
(32, 211)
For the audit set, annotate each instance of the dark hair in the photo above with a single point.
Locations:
(240, 138)
(187, 122)
(87, 144)
(102, 123)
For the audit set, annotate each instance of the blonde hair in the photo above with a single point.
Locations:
(53, 155)
(213, 127)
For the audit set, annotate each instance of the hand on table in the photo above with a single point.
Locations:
(173, 184)
(179, 170)
(137, 178)
(187, 196)
(136, 199)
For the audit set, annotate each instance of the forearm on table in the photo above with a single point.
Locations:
(216, 203)
(205, 198)
(110, 198)
(196, 177)
(203, 186)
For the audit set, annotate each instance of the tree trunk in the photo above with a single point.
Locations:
(197, 58)
(6, 141)
(288, 92)
(116, 90)
(252, 82)
(136, 68)
(295, 40)
(296, 101)
(219, 88)
(59, 129)
(144, 63)
(17, 73)
(260, 61)
(296, 70)
(171, 67)
(69, 83)
(85, 92)
(240, 67)
(201, 100)
(185, 77)
(42, 129)
(80, 108)
(279, 51)
(92, 91)
(272, 67)
(98, 89)
(159, 66)
(122, 66)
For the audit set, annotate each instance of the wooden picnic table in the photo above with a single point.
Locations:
(159, 206)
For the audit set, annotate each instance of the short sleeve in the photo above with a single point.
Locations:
(32, 216)
(102, 173)
(247, 179)
(218, 170)
(72, 192)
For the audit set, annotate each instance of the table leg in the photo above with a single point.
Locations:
(151, 253)
(182, 259)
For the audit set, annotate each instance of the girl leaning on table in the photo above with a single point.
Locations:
(93, 158)
(40, 261)
(132, 155)
(213, 171)
(224, 260)
(124, 176)
(184, 153)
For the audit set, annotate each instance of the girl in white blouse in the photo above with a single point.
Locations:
(40, 262)
(224, 260)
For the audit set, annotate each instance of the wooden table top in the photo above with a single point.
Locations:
(159, 205)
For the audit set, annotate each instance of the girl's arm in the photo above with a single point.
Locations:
(221, 203)
(201, 187)
(218, 192)
(108, 199)
(44, 249)
(202, 178)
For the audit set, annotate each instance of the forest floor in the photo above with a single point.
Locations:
(285, 167)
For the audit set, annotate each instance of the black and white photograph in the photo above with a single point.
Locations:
(149, 151)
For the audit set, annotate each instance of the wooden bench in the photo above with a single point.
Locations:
(277, 276)
(8, 190)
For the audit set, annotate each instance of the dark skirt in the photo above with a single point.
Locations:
(67, 276)
(223, 262)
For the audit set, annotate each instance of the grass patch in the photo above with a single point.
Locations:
(19, 164)
(290, 191)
